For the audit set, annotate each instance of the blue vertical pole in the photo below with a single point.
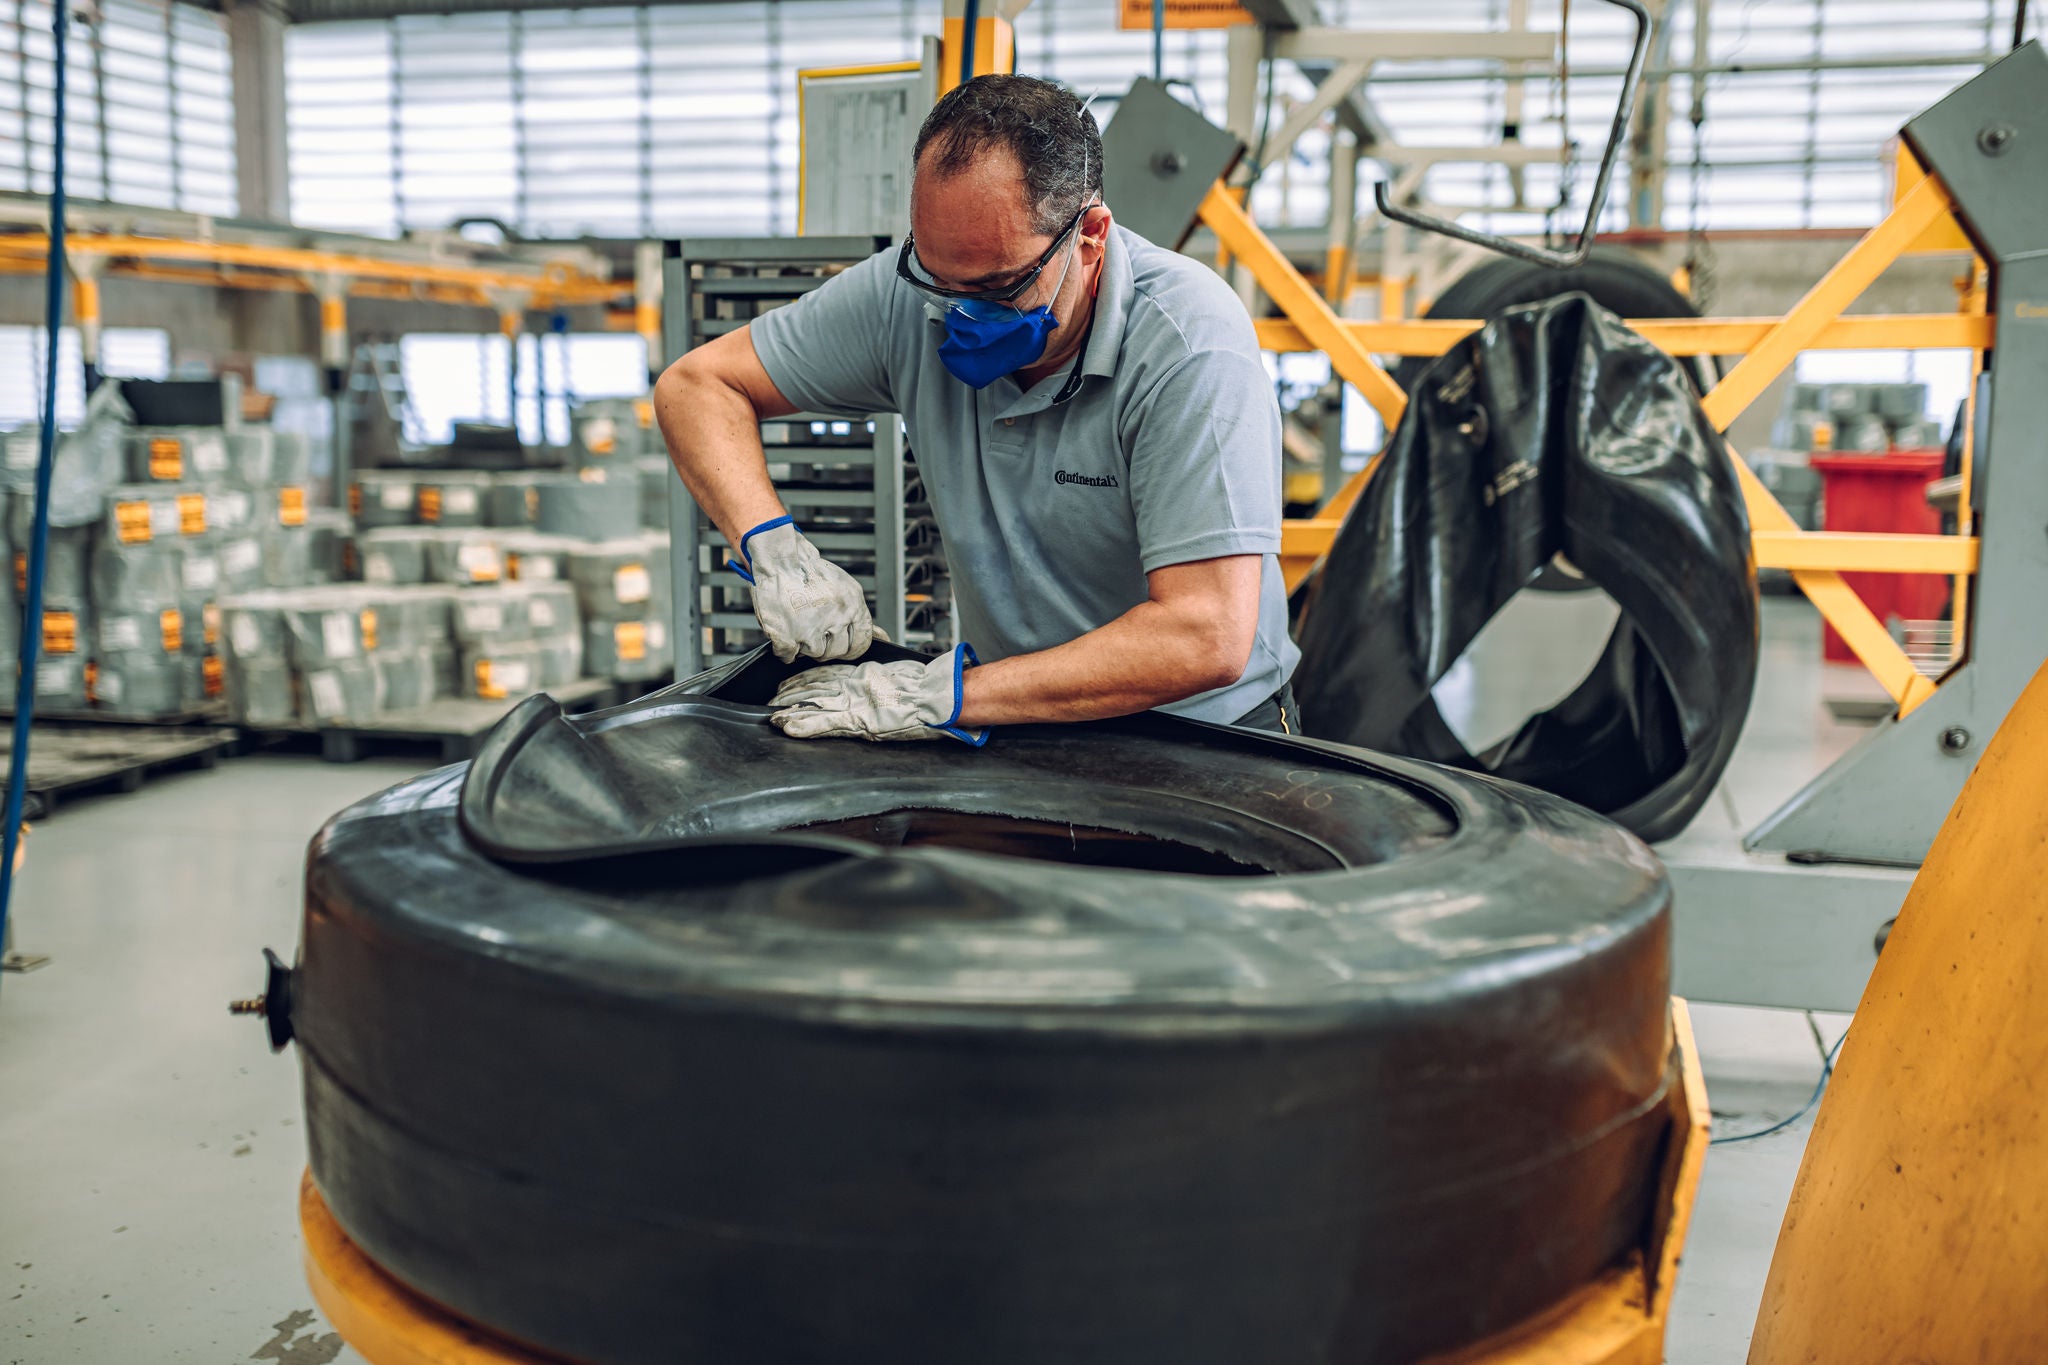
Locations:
(46, 457)
(1158, 40)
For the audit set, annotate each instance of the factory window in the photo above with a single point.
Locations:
(462, 377)
(148, 108)
(125, 352)
(671, 120)
(649, 121)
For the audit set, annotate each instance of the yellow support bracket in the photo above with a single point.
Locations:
(1919, 207)
(1674, 336)
(1837, 602)
(1865, 552)
(1307, 309)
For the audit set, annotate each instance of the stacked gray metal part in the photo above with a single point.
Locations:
(851, 485)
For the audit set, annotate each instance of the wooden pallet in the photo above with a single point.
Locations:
(69, 760)
(208, 713)
(452, 726)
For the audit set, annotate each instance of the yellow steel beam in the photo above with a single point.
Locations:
(1863, 552)
(1674, 336)
(1946, 235)
(995, 48)
(1838, 603)
(456, 295)
(554, 281)
(1293, 295)
(1841, 551)
(1920, 206)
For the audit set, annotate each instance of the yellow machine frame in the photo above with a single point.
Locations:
(1920, 220)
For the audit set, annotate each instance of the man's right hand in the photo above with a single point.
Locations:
(807, 605)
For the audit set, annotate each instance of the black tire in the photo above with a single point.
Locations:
(683, 1089)
(1616, 279)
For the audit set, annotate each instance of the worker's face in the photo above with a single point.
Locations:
(974, 230)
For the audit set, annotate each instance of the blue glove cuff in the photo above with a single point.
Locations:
(769, 525)
(963, 655)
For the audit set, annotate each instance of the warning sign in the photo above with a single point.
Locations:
(1183, 14)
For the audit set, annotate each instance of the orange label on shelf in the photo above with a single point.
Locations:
(166, 458)
(209, 623)
(367, 617)
(60, 632)
(170, 624)
(430, 503)
(92, 681)
(355, 499)
(348, 558)
(211, 675)
(643, 410)
(192, 514)
(631, 639)
(131, 523)
(511, 564)
(20, 574)
(291, 506)
(485, 688)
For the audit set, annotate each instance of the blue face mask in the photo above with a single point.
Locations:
(985, 341)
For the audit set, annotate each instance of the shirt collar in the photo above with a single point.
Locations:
(1114, 294)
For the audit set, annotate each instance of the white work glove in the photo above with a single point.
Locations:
(807, 604)
(910, 699)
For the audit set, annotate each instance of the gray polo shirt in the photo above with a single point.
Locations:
(1052, 514)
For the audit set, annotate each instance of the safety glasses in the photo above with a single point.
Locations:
(912, 272)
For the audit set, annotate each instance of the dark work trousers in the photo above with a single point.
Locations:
(1277, 712)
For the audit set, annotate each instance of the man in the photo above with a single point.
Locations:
(1094, 427)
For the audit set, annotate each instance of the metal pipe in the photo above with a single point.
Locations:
(46, 459)
(1617, 138)
(1901, 61)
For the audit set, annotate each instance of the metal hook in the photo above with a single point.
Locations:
(1617, 138)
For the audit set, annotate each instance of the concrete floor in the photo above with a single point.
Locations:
(150, 1146)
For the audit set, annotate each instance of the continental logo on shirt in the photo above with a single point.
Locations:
(1063, 478)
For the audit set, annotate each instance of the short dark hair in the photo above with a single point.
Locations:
(1041, 123)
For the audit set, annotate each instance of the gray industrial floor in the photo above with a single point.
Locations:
(150, 1145)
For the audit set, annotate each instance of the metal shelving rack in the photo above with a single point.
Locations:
(851, 485)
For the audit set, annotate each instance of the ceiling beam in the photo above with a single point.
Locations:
(1354, 110)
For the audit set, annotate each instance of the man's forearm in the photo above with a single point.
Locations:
(714, 441)
(1150, 656)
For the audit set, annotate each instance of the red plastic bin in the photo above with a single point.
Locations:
(1883, 493)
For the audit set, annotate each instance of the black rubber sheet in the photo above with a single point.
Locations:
(1553, 430)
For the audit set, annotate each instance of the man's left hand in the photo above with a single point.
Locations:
(909, 699)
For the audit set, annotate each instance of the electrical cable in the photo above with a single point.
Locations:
(2019, 25)
(1159, 40)
(970, 20)
(1265, 119)
(46, 458)
(1827, 1069)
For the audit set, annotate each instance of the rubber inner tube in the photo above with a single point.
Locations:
(655, 1036)
(1552, 431)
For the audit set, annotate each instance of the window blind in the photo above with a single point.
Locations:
(149, 115)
